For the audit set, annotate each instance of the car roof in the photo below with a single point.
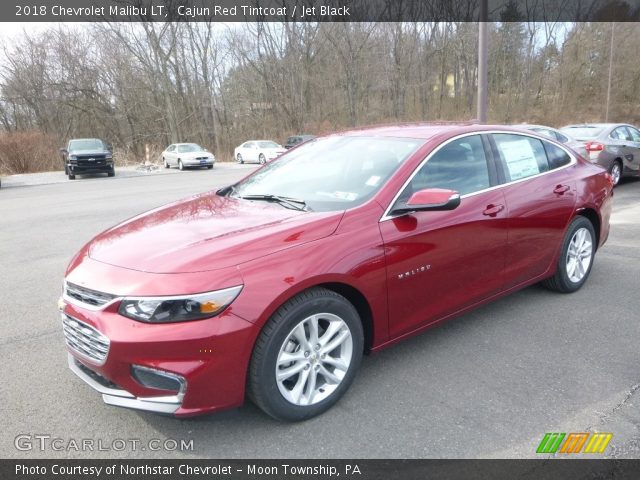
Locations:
(426, 131)
(76, 139)
(186, 143)
(532, 125)
(597, 125)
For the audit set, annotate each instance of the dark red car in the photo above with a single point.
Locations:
(273, 288)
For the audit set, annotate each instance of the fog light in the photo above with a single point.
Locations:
(158, 379)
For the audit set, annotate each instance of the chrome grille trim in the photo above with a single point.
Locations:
(86, 297)
(85, 340)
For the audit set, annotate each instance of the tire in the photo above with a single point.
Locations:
(166, 164)
(616, 172)
(72, 176)
(334, 315)
(112, 173)
(261, 159)
(239, 158)
(575, 252)
(66, 169)
(180, 165)
(209, 167)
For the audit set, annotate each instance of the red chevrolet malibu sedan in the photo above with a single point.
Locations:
(273, 288)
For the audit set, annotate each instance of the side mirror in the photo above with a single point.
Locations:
(430, 199)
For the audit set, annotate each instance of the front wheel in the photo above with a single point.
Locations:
(576, 257)
(262, 159)
(239, 158)
(306, 356)
(111, 173)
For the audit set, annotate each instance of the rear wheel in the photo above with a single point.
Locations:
(616, 172)
(576, 257)
(166, 164)
(239, 158)
(306, 356)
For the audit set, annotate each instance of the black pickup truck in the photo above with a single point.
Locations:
(87, 155)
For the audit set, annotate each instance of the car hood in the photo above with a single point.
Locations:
(88, 152)
(208, 232)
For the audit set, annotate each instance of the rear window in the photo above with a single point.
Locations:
(583, 132)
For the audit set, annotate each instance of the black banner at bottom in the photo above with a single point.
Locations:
(317, 469)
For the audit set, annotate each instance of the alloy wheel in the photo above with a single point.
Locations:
(616, 172)
(579, 255)
(314, 359)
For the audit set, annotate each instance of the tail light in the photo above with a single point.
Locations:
(594, 146)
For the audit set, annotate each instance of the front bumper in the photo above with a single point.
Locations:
(80, 169)
(209, 357)
(198, 163)
(113, 395)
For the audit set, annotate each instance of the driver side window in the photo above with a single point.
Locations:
(460, 165)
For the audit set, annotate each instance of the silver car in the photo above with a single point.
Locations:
(558, 136)
(183, 155)
(614, 146)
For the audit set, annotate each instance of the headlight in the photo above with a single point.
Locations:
(181, 308)
(72, 157)
(109, 155)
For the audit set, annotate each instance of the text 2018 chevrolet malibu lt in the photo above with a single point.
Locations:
(273, 288)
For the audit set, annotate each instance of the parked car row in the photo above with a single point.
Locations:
(344, 245)
(613, 146)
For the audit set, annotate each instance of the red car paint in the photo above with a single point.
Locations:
(406, 273)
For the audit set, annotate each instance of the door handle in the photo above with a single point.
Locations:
(493, 210)
(561, 189)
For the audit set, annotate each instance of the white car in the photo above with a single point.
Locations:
(183, 155)
(260, 151)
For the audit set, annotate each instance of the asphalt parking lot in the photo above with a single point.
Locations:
(488, 384)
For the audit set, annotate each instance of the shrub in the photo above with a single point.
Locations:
(28, 152)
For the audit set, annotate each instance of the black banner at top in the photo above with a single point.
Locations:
(319, 10)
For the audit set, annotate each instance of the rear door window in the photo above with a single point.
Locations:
(521, 156)
(635, 134)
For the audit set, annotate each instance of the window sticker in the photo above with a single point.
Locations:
(520, 159)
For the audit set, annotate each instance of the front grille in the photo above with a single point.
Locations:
(91, 160)
(202, 158)
(85, 339)
(87, 296)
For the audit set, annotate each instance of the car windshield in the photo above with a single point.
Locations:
(88, 144)
(268, 144)
(332, 173)
(583, 132)
(190, 147)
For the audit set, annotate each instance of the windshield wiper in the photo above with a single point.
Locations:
(288, 202)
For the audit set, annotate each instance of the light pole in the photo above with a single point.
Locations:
(613, 30)
(483, 49)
